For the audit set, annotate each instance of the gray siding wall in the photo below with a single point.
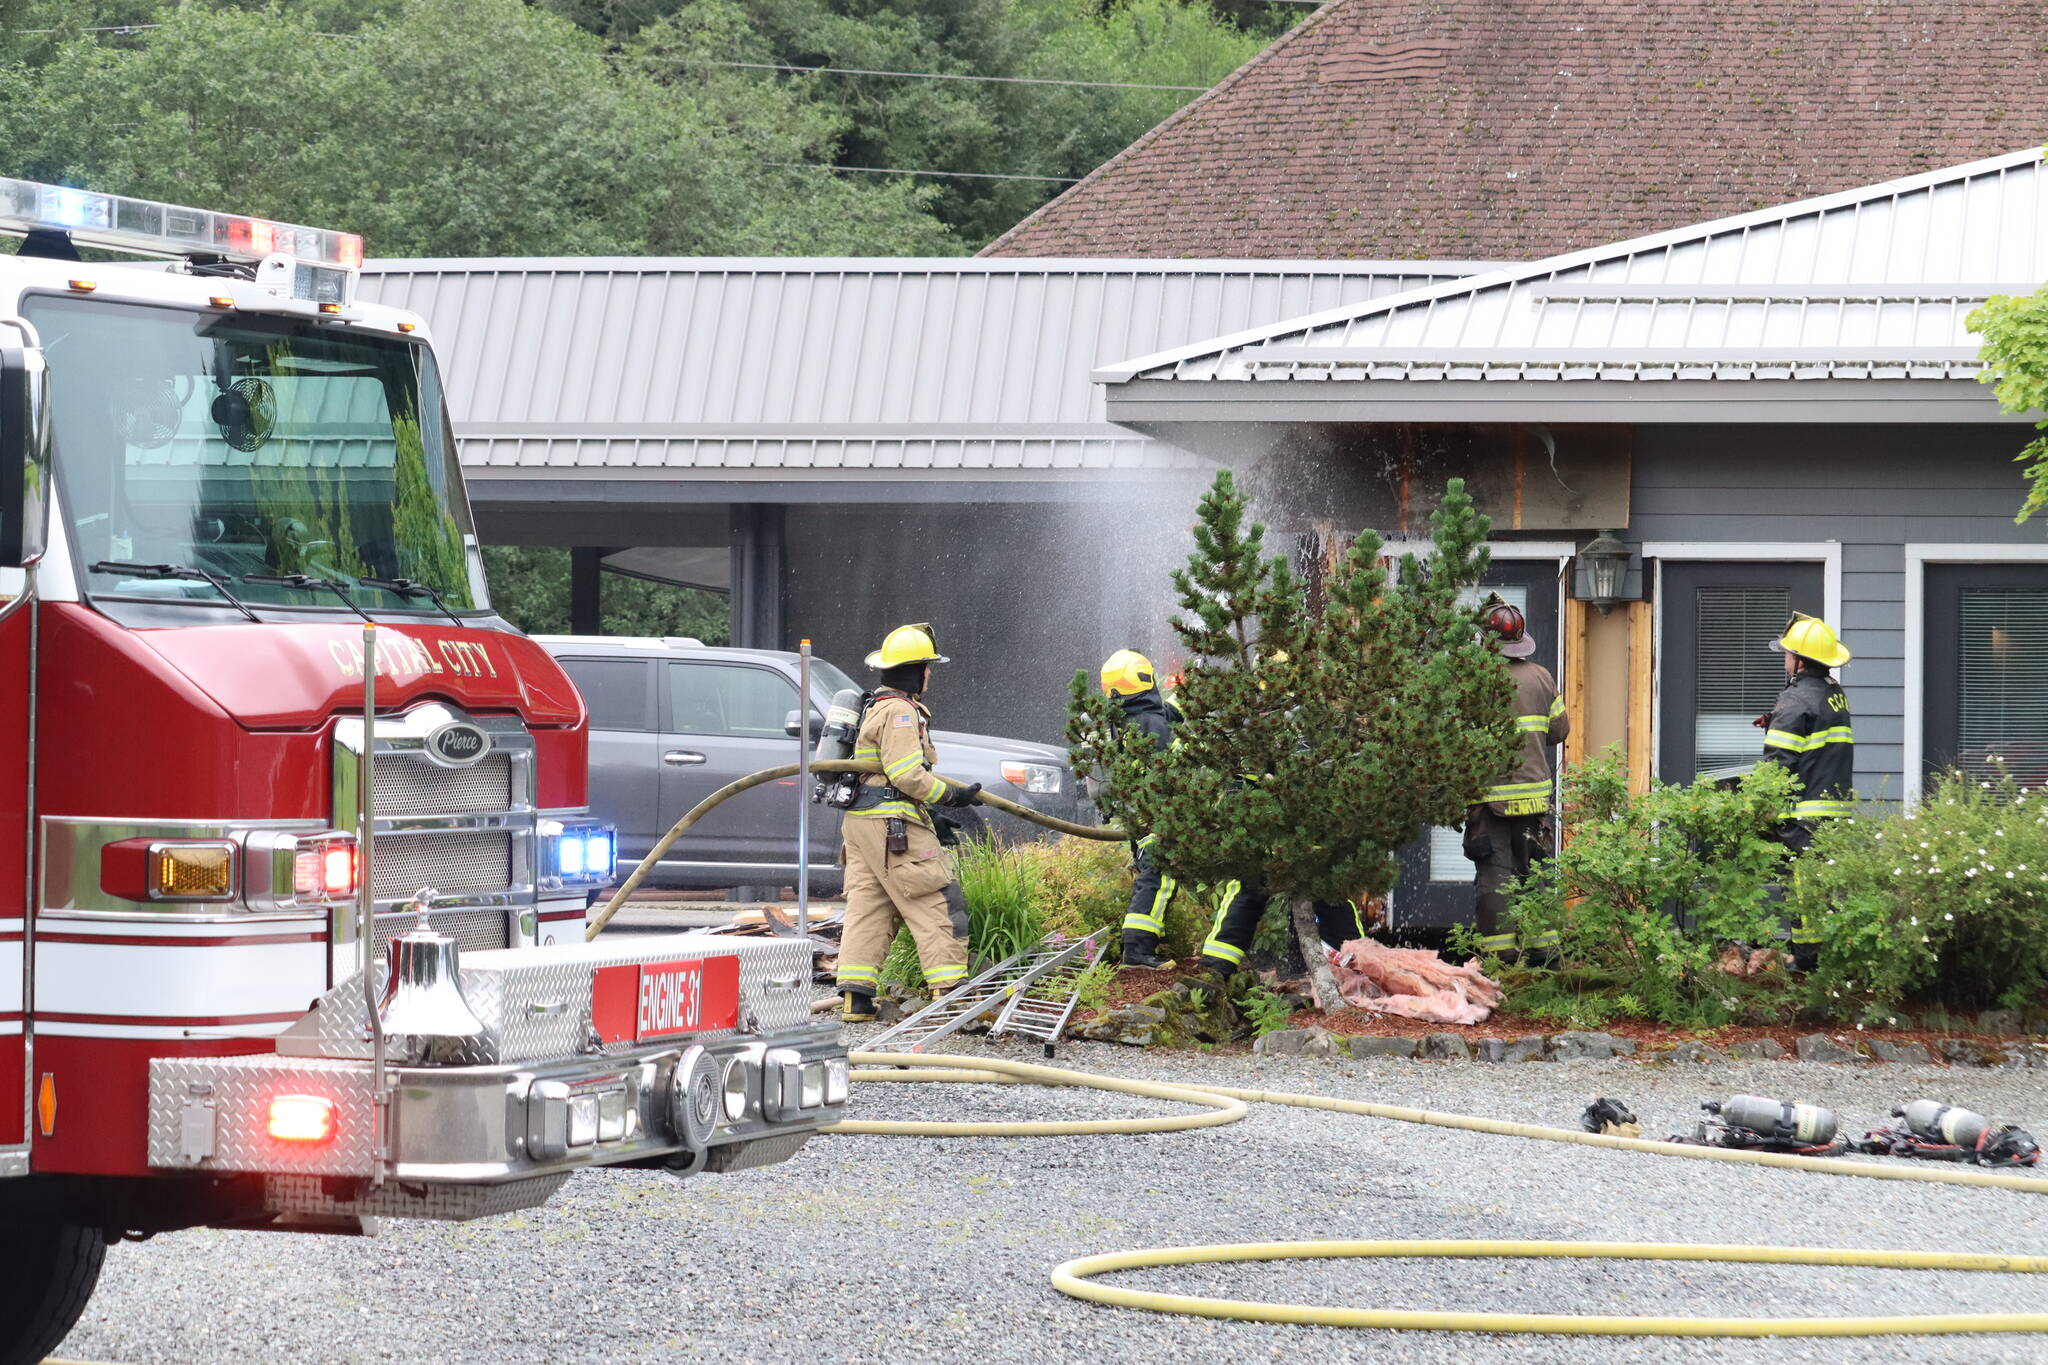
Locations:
(1874, 489)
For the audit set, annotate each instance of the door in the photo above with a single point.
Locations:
(1717, 672)
(24, 515)
(1985, 696)
(722, 721)
(625, 766)
(1435, 887)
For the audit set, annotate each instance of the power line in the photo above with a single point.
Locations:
(891, 170)
(953, 76)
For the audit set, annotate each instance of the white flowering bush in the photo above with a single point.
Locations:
(1948, 902)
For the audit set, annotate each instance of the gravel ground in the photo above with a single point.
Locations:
(898, 1249)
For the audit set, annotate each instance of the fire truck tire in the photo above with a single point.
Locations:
(48, 1268)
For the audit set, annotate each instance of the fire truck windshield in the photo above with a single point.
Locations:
(246, 447)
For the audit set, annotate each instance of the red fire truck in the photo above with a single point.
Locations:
(294, 861)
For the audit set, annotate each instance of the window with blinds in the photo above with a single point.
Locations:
(1738, 676)
(2002, 683)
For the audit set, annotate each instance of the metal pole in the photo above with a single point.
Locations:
(803, 788)
(366, 902)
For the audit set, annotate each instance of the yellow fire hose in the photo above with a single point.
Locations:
(1226, 1104)
(1076, 1278)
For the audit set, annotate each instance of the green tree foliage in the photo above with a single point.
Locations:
(2015, 355)
(986, 127)
(446, 127)
(1317, 740)
(530, 588)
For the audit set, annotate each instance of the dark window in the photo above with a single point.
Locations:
(1718, 672)
(728, 699)
(1987, 670)
(617, 691)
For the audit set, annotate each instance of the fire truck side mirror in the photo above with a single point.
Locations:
(24, 454)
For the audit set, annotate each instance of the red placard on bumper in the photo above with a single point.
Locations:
(638, 1001)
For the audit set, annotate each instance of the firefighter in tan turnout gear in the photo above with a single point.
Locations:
(896, 870)
(1511, 826)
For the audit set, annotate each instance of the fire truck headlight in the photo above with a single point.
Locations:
(738, 1089)
(302, 1118)
(324, 868)
(580, 852)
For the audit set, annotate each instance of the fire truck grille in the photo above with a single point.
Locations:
(415, 786)
(473, 929)
(451, 863)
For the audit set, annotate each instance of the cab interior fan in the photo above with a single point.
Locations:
(246, 413)
(148, 409)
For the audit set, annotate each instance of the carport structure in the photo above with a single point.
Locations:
(843, 445)
(1776, 411)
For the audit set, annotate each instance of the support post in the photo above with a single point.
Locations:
(803, 788)
(757, 573)
(586, 590)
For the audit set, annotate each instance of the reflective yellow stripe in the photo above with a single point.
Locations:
(1526, 805)
(1150, 924)
(1223, 952)
(1814, 810)
(903, 765)
(938, 790)
(858, 973)
(1532, 725)
(1557, 708)
(1493, 943)
(940, 976)
(1514, 791)
(1547, 939)
(907, 809)
(1805, 744)
(867, 752)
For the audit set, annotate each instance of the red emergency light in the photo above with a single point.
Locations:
(304, 1119)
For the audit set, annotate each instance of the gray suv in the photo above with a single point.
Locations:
(673, 720)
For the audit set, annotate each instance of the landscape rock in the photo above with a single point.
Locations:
(1963, 1052)
(1769, 1049)
(1577, 1046)
(1133, 1026)
(1509, 1049)
(1906, 1054)
(1367, 1045)
(2001, 1021)
(1297, 1042)
(1818, 1047)
(1689, 1051)
(1445, 1046)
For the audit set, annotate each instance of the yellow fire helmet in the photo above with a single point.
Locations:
(1126, 673)
(1811, 638)
(913, 644)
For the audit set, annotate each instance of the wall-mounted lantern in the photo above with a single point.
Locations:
(1602, 575)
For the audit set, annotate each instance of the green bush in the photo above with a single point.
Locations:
(1084, 885)
(1944, 901)
(1647, 893)
(1003, 886)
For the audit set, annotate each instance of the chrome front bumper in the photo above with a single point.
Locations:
(492, 1126)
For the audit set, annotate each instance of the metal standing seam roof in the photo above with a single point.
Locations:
(830, 366)
(1873, 283)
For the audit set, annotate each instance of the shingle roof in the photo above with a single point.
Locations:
(828, 365)
(1502, 129)
(1874, 284)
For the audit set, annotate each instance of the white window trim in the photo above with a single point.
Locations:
(1918, 557)
(1826, 553)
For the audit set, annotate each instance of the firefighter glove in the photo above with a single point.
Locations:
(960, 796)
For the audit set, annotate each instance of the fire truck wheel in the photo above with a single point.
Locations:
(48, 1268)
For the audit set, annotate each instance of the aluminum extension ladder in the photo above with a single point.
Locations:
(1022, 984)
(1041, 1009)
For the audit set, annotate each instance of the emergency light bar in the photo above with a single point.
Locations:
(124, 224)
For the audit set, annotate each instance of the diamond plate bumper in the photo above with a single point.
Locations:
(467, 1127)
